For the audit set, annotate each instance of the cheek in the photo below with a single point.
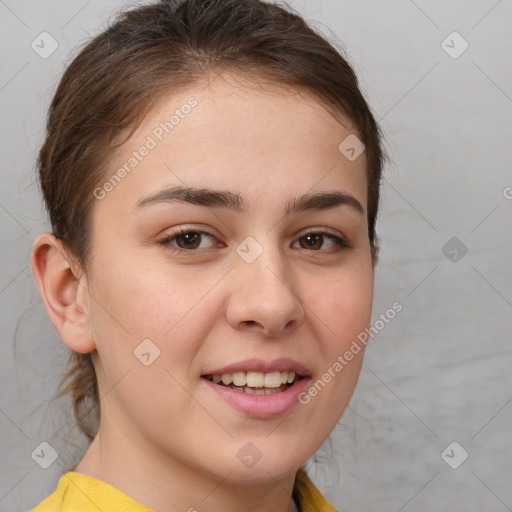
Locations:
(173, 309)
(142, 301)
(133, 307)
(343, 306)
(342, 310)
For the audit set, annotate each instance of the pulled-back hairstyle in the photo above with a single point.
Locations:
(158, 49)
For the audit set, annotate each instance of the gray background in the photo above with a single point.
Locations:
(440, 371)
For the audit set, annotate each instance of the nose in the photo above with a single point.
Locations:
(264, 298)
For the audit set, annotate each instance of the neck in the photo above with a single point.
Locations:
(161, 483)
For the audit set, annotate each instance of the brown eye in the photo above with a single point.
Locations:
(322, 242)
(190, 240)
(313, 241)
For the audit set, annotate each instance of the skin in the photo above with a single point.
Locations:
(165, 438)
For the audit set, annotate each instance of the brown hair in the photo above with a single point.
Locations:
(164, 47)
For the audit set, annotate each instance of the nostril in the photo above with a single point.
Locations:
(291, 323)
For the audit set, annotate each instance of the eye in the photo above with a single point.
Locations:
(187, 240)
(317, 240)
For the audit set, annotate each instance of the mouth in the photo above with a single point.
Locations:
(259, 389)
(256, 383)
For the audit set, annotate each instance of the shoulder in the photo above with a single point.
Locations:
(77, 492)
(82, 493)
(308, 497)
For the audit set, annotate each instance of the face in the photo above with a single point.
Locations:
(234, 247)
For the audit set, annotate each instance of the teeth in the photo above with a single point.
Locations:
(239, 379)
(256, 380)
(251, 391)
(258, 391)
(273, 380)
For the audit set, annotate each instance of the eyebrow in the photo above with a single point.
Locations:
(231, 200)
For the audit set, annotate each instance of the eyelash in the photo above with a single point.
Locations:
(341, 243)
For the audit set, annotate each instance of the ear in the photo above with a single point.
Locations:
(64, 289)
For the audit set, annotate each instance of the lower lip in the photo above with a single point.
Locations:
(261, 406)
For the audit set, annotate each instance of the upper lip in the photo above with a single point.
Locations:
(258, 365)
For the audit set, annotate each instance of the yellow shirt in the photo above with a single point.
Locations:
(82, 493)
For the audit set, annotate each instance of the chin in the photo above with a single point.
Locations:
(259, 461)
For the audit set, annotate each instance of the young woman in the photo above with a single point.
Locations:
(211, 172)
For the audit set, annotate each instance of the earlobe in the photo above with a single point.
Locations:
(63, 291)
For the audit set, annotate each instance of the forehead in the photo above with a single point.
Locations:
(251, 136)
